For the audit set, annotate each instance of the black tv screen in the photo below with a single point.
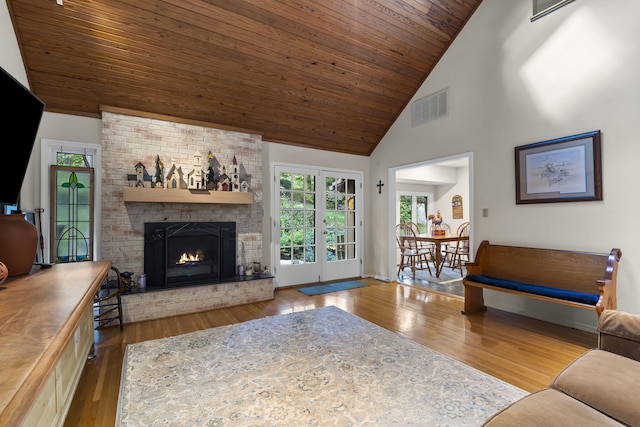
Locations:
(19, 122)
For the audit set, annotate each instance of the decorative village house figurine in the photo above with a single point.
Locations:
(175, 177)
(235, 175)
(224, 182)
(195, 177)
(141, 175)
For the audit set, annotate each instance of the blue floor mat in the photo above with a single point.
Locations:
(331, 287)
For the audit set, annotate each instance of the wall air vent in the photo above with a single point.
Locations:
(430, 107)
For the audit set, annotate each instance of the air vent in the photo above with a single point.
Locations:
(430, 108)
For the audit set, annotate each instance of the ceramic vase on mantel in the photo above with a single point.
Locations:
(18, 244)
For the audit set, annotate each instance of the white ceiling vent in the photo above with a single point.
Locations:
(430, 108)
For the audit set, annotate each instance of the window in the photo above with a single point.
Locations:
(414, 207)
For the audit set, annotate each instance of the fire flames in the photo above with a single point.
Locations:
(187, 258)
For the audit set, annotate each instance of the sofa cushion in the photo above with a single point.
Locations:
(549, 408)
(563, 294)
(605, 381)
(619, 333)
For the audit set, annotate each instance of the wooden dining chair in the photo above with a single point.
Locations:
(410, 254)
(458, 250)
(443, 226)
(425, 246)
(107, 302)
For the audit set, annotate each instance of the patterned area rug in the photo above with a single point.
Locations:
(321, 367)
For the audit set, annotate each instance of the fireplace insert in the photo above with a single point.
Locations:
(189, 253)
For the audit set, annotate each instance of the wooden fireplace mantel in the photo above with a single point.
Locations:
(165, 195)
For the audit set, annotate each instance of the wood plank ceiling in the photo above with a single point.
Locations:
(326, 74)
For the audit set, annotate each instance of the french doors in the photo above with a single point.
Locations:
(317, 225)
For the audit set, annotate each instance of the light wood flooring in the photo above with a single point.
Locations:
(522, 351)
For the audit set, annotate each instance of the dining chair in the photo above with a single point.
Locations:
(458, 249)
(442, 228)
(427, 246)
(410, 254)
(107, 302)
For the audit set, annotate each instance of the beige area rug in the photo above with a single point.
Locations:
(321, 367)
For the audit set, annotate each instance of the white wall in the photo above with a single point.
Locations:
(444, 194)
(513, 82)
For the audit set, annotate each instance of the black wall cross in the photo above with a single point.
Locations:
(379, 185)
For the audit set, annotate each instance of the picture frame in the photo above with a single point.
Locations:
(544, 7)
(565, 169)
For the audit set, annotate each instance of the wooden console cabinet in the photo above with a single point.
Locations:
(46, 319)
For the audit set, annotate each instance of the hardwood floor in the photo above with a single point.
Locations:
(522, 351)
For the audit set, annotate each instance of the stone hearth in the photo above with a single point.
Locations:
(139, 306)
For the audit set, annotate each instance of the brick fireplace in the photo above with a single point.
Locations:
(128, 140)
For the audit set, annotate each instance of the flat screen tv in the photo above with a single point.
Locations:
(19, 122)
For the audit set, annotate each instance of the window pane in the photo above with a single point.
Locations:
(72, 211)
(298, 182)
(299, 218)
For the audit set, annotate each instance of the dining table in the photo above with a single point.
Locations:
(438, 240)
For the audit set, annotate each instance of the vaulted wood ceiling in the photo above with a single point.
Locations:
(325, 74)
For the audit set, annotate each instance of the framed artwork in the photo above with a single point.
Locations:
(545, 7)
(456, 207)
(560, 170)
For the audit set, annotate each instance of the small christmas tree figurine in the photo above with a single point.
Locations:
(159, 176)
(211, 174)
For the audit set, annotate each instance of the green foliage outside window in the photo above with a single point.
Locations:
(407, 214)
(297, 213)
(75, 160)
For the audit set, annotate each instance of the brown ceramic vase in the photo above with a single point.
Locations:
(18, 244)
(4, 273)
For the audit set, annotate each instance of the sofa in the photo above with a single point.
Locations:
(597, 389)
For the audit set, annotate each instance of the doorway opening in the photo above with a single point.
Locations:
(449, 181)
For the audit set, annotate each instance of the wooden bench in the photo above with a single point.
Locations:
(578, 279)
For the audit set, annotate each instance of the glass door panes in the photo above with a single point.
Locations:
(297, 218)
(341, 225)
(340, 222)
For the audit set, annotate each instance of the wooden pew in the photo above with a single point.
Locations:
(578, 279)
